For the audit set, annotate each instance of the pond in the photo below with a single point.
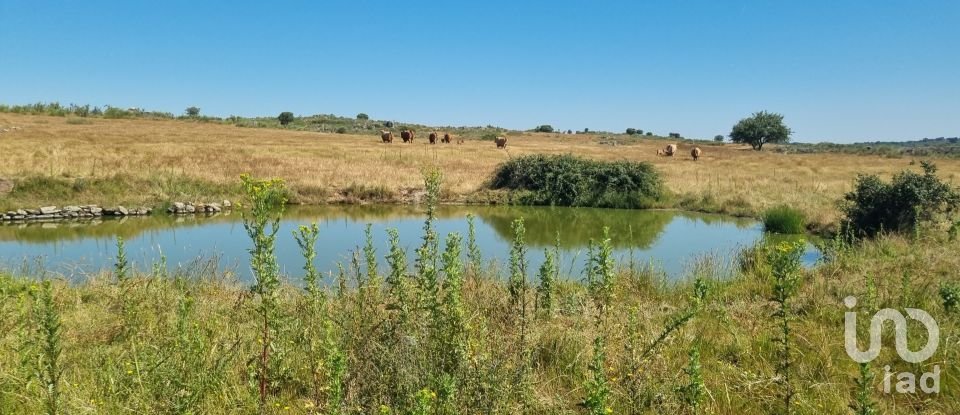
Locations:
(671, 241)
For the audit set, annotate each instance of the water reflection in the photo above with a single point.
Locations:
(672, 239)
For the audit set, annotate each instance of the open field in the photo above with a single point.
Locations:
(454, 334)
(134, 161)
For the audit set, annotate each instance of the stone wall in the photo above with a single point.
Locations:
(71, 212)
(53, 213)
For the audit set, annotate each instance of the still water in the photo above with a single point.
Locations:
(672, 241)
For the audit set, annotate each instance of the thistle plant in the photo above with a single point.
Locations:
(547, 277)
(306, 237)
(474, 257)
(453, 344)
(266, 200)
(597, 386)
(427, 253)
(48, 337)
(600, 274)
(370, 255)
(784, 260)
(518, 301)
(692, 393)
(121, 268)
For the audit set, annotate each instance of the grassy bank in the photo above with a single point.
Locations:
(320, 167)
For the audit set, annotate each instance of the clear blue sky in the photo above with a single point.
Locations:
(838, 70)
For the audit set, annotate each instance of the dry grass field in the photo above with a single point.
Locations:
(148, 160)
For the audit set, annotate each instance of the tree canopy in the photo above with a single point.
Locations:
(761, 128)
(285, 117)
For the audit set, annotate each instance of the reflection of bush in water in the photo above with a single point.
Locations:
(628, 228)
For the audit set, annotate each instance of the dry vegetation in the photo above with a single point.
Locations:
(150, 154)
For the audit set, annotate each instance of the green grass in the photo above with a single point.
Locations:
(784, 219)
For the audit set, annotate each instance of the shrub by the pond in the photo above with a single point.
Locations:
(784, 219)
(567, 180)
(900, 205)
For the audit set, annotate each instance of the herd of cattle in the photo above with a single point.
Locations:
(408, 135)
(671, 149)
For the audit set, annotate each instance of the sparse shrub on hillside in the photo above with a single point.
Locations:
(567, 180)
(901, 205)
(718, 138)
(341, 130)
(649, 133)
(631, 131)
(546, 128)
(674, 135)
(784, 219)
(285, 117)
(192, 111)
(362, 116)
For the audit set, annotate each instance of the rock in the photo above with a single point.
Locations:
(190, 209)
(122, 211)
(49, 210)
(71, 208)
(32, 212)
(96, 210)
(179, 207)
(142, 211)
(21, 212)
(5, 217)
(19, 217)
(227, 204)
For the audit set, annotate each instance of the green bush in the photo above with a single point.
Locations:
(900, 205)
(546, 128)
(572, 181)
(285, 117)
(631, 131)
(341, 130)
(784, 219)
(718, 138)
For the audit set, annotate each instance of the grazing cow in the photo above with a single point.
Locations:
(460, 140)
(696, 153)
(445, 139)
(670, 150)
(386, 136)
(433, 138)
(501, 142)
(407, 136)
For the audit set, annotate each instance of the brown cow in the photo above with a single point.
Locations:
(501, 142)
(460, 140)
(386, 136)
(407, 136)
(446, 138)
(433, 138)
(696, 153)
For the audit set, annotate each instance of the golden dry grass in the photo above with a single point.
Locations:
(729, 178)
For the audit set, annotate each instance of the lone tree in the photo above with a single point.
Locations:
(718, 138)
(192, 111)
(546, 128)
(362, 116)
(761, 128)
(631, 131)
(285, 117)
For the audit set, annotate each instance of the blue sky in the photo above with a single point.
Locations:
(838, 70)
